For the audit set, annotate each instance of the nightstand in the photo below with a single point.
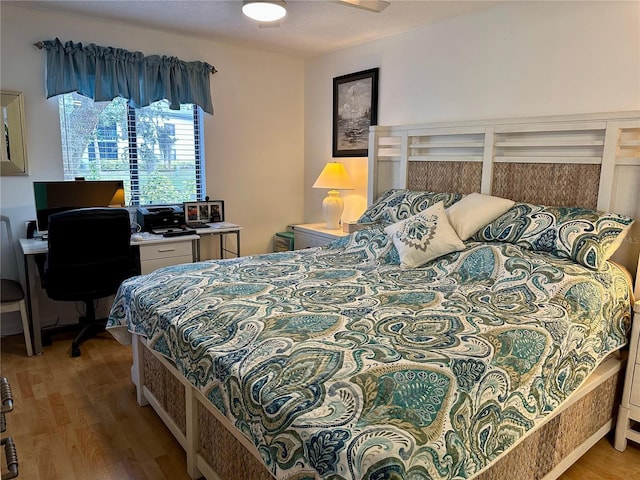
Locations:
(630, 406)
(314, 235)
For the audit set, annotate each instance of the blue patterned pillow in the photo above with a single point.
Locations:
(361, 248)
(374, 211)
(586, 236)
(397, 204)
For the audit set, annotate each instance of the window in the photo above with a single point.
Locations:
(107, 143)
(155, 150)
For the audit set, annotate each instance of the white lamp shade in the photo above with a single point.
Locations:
(333, 176)
(264, 10)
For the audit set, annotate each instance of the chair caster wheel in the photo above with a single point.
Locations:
(75, 351)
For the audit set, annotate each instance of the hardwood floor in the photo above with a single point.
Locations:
(77, 419)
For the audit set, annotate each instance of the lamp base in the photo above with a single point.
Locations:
(332, 208)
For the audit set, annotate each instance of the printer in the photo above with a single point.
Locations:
(160, 218)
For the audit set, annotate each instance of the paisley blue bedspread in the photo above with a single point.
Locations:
(338, 364)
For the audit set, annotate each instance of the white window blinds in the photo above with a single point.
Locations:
(155, 150)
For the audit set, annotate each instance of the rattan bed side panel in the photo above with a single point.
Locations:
(224, 453)
(548, 183)
(455, 177)
(167, 389)
(591, 414)
(541, 451)
(153, 375)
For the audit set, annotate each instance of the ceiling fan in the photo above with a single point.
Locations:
(371, 5)
(270, 11)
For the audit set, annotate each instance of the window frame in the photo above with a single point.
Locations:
(132, 179)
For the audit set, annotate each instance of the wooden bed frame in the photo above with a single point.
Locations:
(535, 160)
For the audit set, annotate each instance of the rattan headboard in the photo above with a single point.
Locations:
(590, 160)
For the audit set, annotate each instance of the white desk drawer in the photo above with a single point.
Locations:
(166, 250)
(148, 266)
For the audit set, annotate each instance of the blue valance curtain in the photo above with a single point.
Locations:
(104, 73)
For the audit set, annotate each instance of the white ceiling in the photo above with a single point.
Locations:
(311, 27)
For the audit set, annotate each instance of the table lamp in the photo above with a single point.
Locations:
(333, 176)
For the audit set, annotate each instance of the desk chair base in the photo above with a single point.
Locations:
(89, 327)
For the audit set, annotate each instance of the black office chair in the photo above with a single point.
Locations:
(89, 256)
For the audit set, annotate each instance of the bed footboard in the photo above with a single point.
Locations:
(217, 451)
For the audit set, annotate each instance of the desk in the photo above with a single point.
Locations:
(221, 232)
(32, 247)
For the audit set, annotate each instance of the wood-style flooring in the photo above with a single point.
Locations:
(77, 419)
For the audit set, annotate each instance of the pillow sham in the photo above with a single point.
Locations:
(588, 237)
(373, 211)
(474, 211)
(424, 236)
(398, 204)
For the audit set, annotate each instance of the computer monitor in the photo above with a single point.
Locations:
(54, 197)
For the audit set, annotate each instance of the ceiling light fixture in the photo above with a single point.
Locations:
(264, 10)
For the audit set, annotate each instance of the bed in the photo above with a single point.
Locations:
(404, 350)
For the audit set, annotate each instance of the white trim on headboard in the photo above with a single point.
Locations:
(487, 160)
(611, 140)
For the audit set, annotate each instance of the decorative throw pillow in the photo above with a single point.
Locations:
(395, 205)
(474, 211)
(424, 236)
(586, 236)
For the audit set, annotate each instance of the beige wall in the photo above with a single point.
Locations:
(517, 59)
(253, 143)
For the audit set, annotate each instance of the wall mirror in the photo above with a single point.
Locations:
(13, 149)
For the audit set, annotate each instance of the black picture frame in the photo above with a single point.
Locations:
(355, 109)
(207, 212)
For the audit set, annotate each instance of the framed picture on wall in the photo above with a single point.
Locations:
(355, 109)
(207, 212)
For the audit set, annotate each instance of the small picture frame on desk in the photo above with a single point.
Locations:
(207, 212)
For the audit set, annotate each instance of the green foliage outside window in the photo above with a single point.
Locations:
(155, 150)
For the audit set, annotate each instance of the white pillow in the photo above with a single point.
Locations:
(475, 211)
(424, 236)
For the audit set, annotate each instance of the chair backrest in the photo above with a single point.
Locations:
(89, 253)
(7, 224)
(8, 270)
